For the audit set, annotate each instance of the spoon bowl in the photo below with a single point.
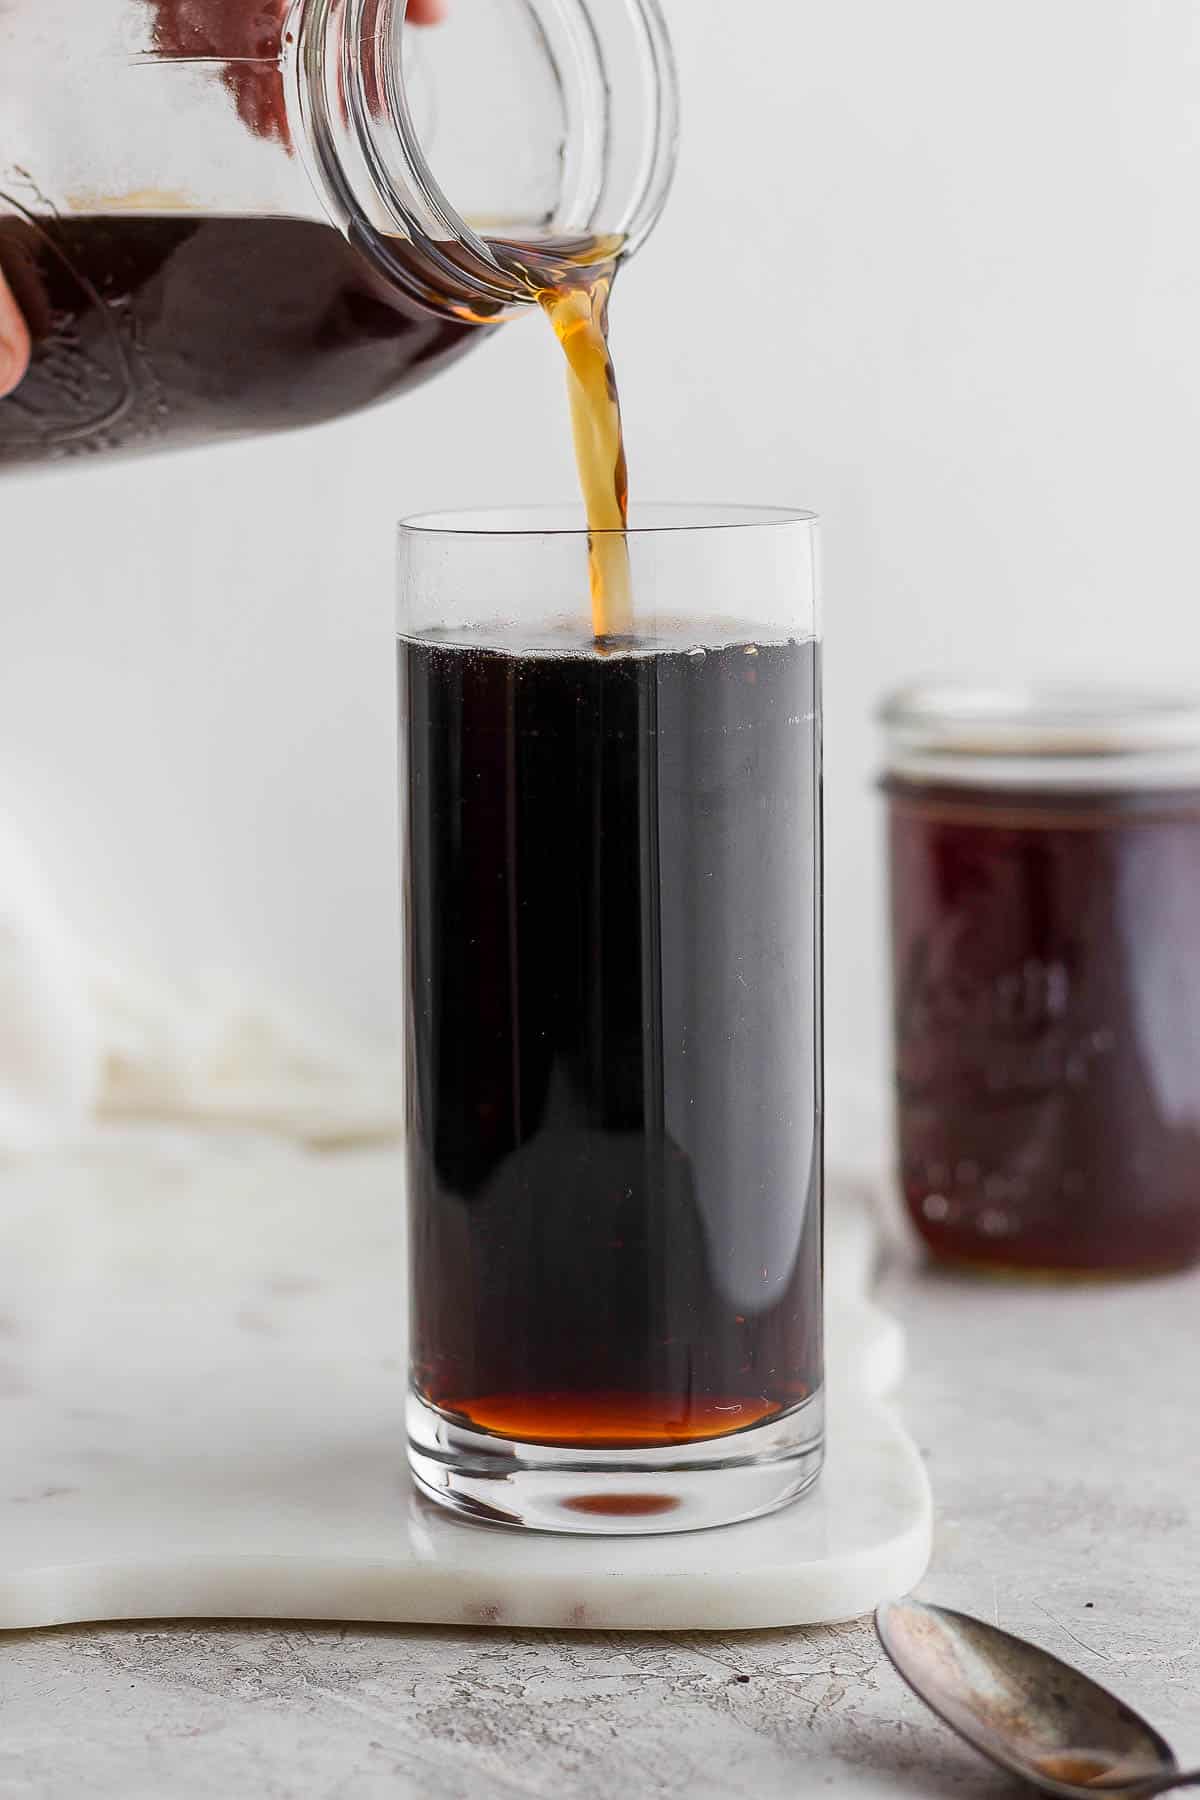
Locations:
(1024, 1709)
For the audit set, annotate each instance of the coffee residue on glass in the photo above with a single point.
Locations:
(1075, 1767)
(623, 1506)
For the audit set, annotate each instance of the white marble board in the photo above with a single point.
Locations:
(201, 1402)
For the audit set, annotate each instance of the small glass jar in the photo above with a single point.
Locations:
(1045, 910)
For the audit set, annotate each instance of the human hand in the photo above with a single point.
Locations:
(426, 12)
(14, 341)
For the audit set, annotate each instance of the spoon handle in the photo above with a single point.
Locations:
(1168, 1785)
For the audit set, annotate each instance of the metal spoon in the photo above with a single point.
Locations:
(1024, 1709)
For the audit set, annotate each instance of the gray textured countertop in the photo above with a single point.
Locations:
(1063, 1437)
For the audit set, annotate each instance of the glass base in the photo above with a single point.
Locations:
(615, 1493)
(1012, 1270)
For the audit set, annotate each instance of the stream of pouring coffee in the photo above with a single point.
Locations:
(577, 307)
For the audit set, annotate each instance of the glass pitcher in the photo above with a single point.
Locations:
(224, 217)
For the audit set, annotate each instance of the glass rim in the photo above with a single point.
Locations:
(516, 523)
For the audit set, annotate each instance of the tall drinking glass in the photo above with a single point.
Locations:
(612, 873)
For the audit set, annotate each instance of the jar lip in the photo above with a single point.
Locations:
(1058, 719)
(347, 70)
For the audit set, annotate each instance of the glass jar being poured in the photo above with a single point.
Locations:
(223, 217)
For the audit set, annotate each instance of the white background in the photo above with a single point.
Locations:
(943, 265)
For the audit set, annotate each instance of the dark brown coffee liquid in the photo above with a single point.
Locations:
(613, 1014)
(1047, 976)
(159, 331)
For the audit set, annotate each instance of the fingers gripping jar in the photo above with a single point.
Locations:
(222, 217)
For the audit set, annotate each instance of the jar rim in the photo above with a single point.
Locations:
(346, 70)
(1047, 736)
(1074, 719)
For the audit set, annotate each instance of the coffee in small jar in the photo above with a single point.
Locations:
(1045, 910)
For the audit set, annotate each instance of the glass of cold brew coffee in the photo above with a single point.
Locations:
(612, 872)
